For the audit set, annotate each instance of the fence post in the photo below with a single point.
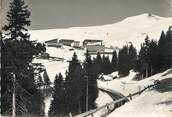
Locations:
(108, 109)
(139, 88)
(130, 96)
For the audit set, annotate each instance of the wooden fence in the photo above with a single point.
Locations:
(116, 103)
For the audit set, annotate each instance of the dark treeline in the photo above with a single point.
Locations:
(17, 69)
(77, 92)
(123, 61)
(155, 56)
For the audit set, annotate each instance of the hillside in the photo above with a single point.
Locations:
(133, 29)
(152, 103)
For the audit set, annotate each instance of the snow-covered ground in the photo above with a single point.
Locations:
(127, 85)
(133, 29)
(54, 67)
(149, 104)
(47, 102)
(103, 98)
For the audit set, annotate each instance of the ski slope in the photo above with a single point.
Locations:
(133, 29)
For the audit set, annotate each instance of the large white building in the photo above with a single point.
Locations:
(53, 43)
(94, 46)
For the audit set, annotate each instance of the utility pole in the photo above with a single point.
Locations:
(14, 97)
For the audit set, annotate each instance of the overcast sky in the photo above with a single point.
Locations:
(48, 14)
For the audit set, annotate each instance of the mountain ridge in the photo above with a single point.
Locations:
(132, 29)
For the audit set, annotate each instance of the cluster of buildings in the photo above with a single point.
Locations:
(90, 45)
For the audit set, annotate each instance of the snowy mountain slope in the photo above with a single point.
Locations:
(152, 103)
(133, 29)
(149, 104)
(127, 85)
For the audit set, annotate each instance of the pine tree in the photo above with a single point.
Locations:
(169, 47)
(123, 65)
(144, 57)
(132, 56)
(47, 81)
(107, 65)
(74, 86)
(58, 103)
(153, 55)
(17, 56)
(162, 51)
(91, 82)
(18, 18)
(40, 47)
(114, 61)
(148, 62)
(98, 63)
(103, 63)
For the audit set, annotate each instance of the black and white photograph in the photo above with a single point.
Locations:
(86, 58)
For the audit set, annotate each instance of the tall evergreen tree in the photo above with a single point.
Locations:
(47, 81)
(153, 55)
(18, 18)
(169, 47)
(107, 65)
(91, 82)
(17, 55)
(58, 103)
(114, 61)
(74, 85)
(132, 57)
(162, 51)
(144, 57)
(98, 63)
(123, 65)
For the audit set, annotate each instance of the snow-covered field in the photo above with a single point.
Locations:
(133, 29)
(54, 67)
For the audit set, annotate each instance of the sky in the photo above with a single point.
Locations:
(49, 14)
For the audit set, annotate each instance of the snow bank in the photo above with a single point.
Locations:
(149, 104)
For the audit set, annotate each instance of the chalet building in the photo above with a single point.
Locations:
(53, 43)
(44, 55)
(93, 49)
(94, 46)
(67, 42)
(92, 41)
(76, 44)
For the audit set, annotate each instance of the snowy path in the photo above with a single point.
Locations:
(47, 102)
(152, 103)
